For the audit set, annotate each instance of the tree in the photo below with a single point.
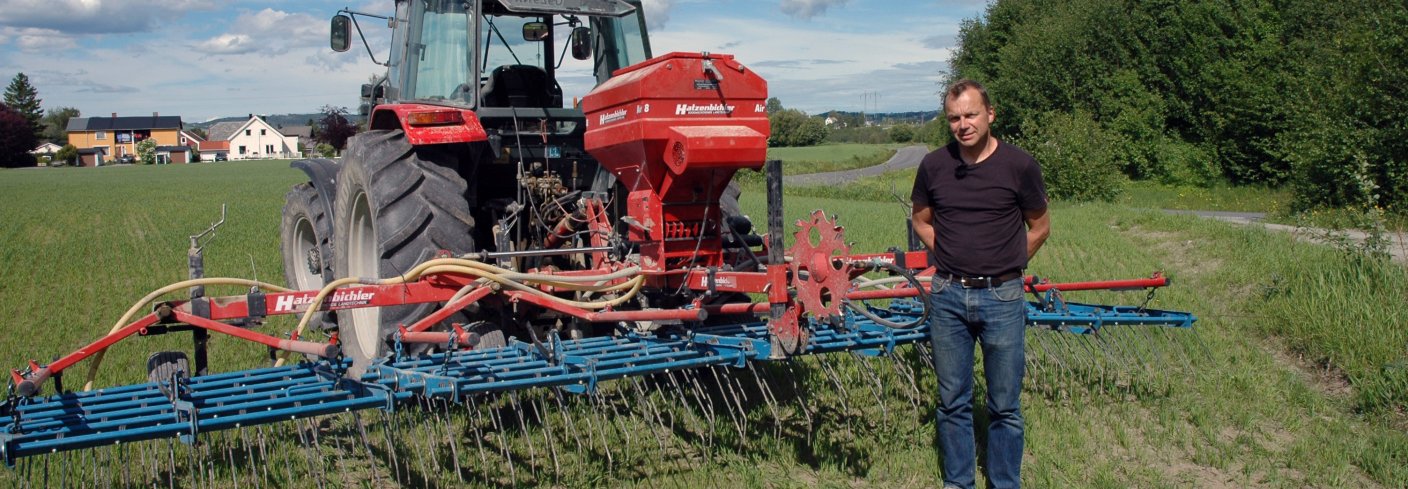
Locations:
(902, 133)
(198, 132)
(16, 139)
(146, 151)
(334, 129)
(67, 155)
(24, 99)
(55, 124)
(774, 105)
(792, 127)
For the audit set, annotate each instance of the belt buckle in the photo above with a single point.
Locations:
(975, 282)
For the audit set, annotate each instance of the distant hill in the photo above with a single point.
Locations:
(887, 118)
(276, 120)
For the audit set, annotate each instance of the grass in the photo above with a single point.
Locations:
(1151, 195)
(831, 157)
(1299, 377)
(79, 245)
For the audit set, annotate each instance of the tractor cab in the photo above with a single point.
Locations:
(499, 53)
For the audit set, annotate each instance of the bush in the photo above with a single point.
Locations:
(16, 139)
(326, 150)
(1183, 163)
(858, 135)
(934, 133)
(1329, 167)
(792, 127)
(146, 151)
(1077, 156)
(67, 155)
(902, 133)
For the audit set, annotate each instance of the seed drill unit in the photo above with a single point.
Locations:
(484, 235)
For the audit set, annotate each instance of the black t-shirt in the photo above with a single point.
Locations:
(979, 228)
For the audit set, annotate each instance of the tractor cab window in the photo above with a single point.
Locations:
(442, 55)
(443, 47)
(519, 67)
(619, 42)
(504, 44)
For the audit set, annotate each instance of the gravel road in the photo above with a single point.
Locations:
(906, 157)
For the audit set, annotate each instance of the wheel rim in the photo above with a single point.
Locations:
(362, 261)
(305, 245)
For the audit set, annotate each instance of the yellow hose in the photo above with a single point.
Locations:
(486, 271)
(146, 300)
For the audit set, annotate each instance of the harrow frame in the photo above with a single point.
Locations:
(186, 407)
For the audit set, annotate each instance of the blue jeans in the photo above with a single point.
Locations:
(995, 317)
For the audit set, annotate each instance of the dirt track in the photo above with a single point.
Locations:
(906, 157)
(1397, 242)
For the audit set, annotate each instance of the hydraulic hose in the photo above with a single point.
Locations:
(502, 276)
(904, 275)
(97, 359)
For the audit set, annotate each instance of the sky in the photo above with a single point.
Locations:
(204, 59)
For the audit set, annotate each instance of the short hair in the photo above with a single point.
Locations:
(963, 85)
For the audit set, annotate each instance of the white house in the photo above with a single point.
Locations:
(44, 150)
(253, 139)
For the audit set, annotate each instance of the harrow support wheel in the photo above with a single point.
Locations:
(306, 239)
(397, 206)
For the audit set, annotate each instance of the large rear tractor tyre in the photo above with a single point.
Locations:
(306, 235)
(397, 206)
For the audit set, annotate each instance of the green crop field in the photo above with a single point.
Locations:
(1296, 375)
(831, 157)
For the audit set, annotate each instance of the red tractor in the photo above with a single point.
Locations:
(470, 147)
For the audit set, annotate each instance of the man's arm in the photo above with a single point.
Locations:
(1038, 229)
(923, 219)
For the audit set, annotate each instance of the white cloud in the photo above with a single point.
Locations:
(806, 9)
(228, 44)
(95, 16)
(940, 41)
(816, 77)
(267, 31)
(34, 39)
(657, 13)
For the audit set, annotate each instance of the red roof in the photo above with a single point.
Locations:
(215, 146)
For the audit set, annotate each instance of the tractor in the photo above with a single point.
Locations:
(468, 147)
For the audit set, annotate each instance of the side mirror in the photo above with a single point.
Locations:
(341, 33)
(581, 43)
(536, 31)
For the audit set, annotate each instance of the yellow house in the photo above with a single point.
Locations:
(109, 139)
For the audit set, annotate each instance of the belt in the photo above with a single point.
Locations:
(983, 282)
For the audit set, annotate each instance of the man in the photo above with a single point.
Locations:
(980, 208)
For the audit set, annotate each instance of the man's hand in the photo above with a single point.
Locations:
(1038, 229)
(923, 219)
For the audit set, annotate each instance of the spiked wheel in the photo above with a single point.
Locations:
(821, 278)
